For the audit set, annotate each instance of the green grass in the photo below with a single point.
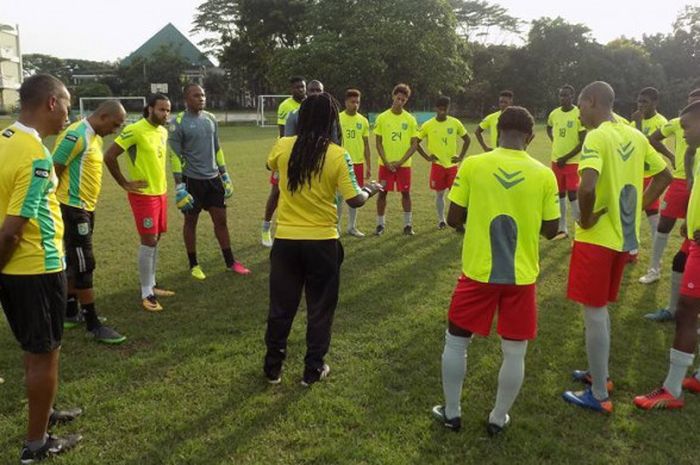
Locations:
(186, 388)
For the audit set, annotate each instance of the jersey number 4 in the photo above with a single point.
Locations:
(396, 136)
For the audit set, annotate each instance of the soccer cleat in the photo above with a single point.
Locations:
(160, 292)
(54, 445)
(61, 417)
(585, 399)
(441, 225)
(658, 399)
(266, 238)
(652, 276)
(380, 230)
(150, 304)
(356, 232)
(560, 235)
(197, 273)
(661, 315)
(408, 230)
(692, 383)
(71, 322)
(312, 376)
(273, 376)
(106, 335)
(583, 376)
(453, 424)
(238, 268)
(494, 430)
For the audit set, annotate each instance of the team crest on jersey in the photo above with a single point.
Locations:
(569, 124)
(8, 133)
(359, 125)
(148, 223)
(450, 130)
(172, 127)
(404, 126)
(41, 173)
(83, 229)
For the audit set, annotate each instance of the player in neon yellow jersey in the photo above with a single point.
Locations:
(490, 122)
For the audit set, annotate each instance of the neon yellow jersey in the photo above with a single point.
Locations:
(693, 214)
(442, 138)
(28, 189)
(355, 129)
(146, 146)
(507, 196)
(285, 108)
(623, 120)
(396, 132)
(79, 149)
(566, 132)
(311, 212)
(622, 156)
(673, 127)
(490, 124)
(650, 125)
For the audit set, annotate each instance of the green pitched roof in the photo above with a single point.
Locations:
(172, 38)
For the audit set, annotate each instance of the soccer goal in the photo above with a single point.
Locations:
(267, 109)
(133, 106)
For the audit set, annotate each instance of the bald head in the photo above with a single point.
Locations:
(44, 104)
(599, 92)
(314, 87)
(107, 118)
(596, 103)
(110, 108)
(36, 90)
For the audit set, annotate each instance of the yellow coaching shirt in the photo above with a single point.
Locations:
(507, 194)
(396, 132)
(622, 156)
(566, 132)
(311, 212)
(285, 108)
(490, 124)
(79, 149)
(442, 138)
(27, 189)
(674, 127)
(354, 129)
(146, 146)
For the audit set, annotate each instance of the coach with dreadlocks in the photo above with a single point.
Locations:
(307, 254)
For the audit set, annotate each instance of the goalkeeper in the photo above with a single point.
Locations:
(200, 175)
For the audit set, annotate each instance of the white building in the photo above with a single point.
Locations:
(10, 67)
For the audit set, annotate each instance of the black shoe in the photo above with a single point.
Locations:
(494, 430)
(54, 445)
(453, 424)
(380, 230)
(312, 376)
(61, 417)
(408, 230)
(442, 225)
(273, 376)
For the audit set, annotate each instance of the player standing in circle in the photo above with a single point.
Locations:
(490, 122)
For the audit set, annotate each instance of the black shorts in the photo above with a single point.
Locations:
(34, 306)
(207, 193)
(79, 225)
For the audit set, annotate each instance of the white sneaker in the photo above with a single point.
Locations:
(652, 276)
(356, 232)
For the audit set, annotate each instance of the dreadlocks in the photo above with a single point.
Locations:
(318, 115)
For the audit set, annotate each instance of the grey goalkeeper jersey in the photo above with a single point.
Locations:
(194, 139)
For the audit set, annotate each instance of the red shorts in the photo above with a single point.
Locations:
(275, 178)
(150, 212)
(567, 177)
(441, 178)
(656, 203)
(400, 180)
(675, 203)
(685, 246)
(359, 169)
(690, 285)
(474, 304)
(595, 274)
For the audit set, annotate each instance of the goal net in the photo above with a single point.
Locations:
(267, 109)
(133, 106)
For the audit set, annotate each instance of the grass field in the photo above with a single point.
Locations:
(186, 388)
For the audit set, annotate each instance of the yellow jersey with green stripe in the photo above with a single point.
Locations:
(507, 194)
(673, 127)
(285, 109)
(397, 132)
(355, 128)
(79, 149)
(566, 132)
(146, 146)
(490, 124)
(442, 138)
(622, 156)
(28, 190)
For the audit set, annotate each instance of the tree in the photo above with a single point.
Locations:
(165, 65)
(476, 20)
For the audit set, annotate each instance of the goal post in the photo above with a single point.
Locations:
(267, 109)
(132, 104)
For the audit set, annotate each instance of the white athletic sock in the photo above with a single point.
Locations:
(440, 205)
(562, 212)
(510, 379)
(146, 272)
(155, 265)
(676, 279)
(380, 220)
(653, 224)
(407, 218)
(454, 369)
(657, 251)
(677, 369)
(597, 322)
(352, 218)
(575, 211)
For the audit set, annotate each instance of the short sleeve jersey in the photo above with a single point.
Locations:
(146, 147)
(79, 149)
(673, 127)
(566, 132)
(311, 212)
(285, 108)
(507, 194)
(28, 189)
(396, 132)
(622, 156)
(443, 137)
(693, 215)
(490, 124)
(650, 125)
(355, 128)
(194, 139)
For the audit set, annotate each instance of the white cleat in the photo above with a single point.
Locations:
(652, 276)
(356, 232)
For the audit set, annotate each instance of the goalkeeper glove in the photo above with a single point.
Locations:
(183, 199)
(228, 185)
